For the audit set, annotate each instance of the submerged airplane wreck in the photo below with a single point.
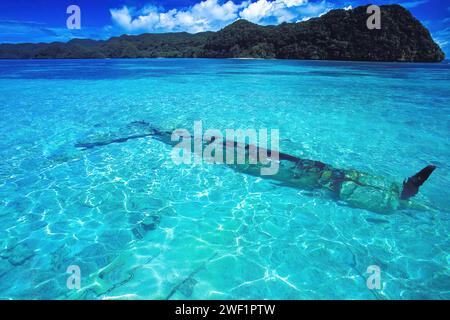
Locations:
(352, 187)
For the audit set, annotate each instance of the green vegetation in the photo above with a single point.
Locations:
(337, 35)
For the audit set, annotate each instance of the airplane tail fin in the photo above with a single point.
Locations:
(412, 184)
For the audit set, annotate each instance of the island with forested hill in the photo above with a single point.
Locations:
(337, 35)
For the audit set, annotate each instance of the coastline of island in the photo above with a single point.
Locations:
(339, 35)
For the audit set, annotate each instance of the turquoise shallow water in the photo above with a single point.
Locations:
(213, 233)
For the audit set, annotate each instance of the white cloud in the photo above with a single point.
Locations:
(257, 10)
(316, 9)
(205, 15)
(266, 11)
(215, 14)
(442, 38)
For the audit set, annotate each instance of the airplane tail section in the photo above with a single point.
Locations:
(412, 184)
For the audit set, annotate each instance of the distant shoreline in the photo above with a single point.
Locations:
(339, 35)
(445, 61)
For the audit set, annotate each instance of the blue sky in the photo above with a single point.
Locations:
(45, 20)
